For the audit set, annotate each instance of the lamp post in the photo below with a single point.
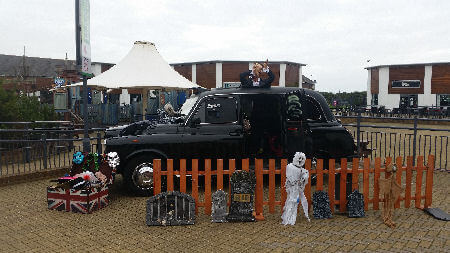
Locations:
(86, 141)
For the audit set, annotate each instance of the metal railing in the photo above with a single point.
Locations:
(428, 112)
(53, 149)
(27, 150)
(379, 140)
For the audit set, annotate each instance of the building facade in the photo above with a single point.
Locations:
(33, 74)
(225, 74)
(409, 85)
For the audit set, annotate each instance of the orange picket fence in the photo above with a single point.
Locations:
(370, 192)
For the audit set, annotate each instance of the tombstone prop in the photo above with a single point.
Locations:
(355, 205)
(170, 208)
(438, 213)
(242, 192)
(321, 205)
(219, 206)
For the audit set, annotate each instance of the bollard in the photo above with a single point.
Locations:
(358, 130)
(414, 140)
(99, 143)
(44, 150)
(26, 154)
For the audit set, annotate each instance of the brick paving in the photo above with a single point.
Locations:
(27, 225)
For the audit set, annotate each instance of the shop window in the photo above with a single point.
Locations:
(444, 100)
(374, 99)
(408, 101)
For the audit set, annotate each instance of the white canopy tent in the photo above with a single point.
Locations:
(143, 67)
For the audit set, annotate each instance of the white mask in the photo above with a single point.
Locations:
(299, 159)
(113, 159)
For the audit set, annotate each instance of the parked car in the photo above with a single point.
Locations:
(163, 117)
(236, 123)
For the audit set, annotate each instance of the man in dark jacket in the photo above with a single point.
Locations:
(252, 77)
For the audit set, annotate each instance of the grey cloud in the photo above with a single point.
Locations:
(335, 38)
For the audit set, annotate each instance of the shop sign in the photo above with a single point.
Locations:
(59, 81)
(406, 84)
(231, 84)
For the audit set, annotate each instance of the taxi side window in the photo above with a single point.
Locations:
(200, 113)
(312, 111)
(218, 111)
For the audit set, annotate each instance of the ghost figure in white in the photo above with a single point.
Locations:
(296, 180)
(113, 159)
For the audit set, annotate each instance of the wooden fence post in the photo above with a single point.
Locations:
(429, 182)
(308, 186)
(170, 175)
(271, 186)
(219, 174)
(319, 170)
(259, 190)
(366, 183)
(245, 164)
(157, 176)
(355, 178)
(232, 166)
(208, 186)
(388, 162)
(195, 183)
(283, 182)
(331, 189)
(419, 171)
(183, 175)
(376, 184)
(409, 167)
(343, 186)
(398, 177)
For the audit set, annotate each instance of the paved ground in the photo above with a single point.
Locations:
(27, 225)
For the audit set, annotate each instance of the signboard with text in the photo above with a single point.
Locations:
(231, 84)
(59, 82)
(406, 84)
(85, 50)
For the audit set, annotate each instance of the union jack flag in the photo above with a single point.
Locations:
(78, 201)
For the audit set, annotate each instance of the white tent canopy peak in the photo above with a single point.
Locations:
(142, 67)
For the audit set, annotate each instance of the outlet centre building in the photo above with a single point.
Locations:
(225, 74)
(409, 85)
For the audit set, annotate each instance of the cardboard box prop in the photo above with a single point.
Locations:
(78, 201)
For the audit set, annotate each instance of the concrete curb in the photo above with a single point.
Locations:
(32, 176)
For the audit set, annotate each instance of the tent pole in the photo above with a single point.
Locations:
(144, 102)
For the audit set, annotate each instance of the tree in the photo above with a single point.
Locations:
(15, 107)
(355, 98)
(8, 104)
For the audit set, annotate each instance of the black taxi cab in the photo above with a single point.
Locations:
(235, 123)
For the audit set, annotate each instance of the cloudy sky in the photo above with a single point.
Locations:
(334, 38)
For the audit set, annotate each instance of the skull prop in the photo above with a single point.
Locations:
(113, 159)
(78, 158)
(299, 159)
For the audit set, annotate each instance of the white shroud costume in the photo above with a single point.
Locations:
(296, 180)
